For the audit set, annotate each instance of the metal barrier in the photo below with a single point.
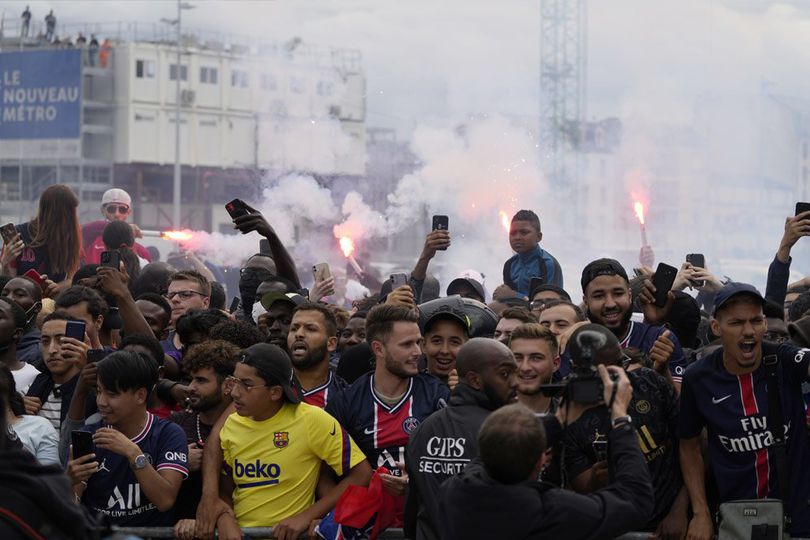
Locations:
(266, 533)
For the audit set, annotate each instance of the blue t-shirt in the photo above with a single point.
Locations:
(380, 430)
(641, 336)
(114, 490)
(734, 410)
(525, 266)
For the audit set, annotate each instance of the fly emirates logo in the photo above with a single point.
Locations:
(255, 474)
(757, 435)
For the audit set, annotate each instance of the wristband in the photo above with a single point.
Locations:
(621, 421)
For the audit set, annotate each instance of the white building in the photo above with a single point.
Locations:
(248, 109)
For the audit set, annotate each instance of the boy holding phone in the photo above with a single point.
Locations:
(138, 461)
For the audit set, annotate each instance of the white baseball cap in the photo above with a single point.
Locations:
(116, 195)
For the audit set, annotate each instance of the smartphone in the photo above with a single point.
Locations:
(34, 275)
(234, 304)
(600, 449)
(237, 208)
(699, 261)
(663, 279)
(535, 282)
(321, 271)
(800, 207)
(441, 223)
(111, 259)
(82, 442)
(638, 272)
(8, 232)
(75, 329)
(95, 355)
(264, 246)
(398, 280)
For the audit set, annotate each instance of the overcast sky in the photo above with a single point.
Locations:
(428, 61)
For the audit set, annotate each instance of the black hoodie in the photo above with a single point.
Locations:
(441, 447)
(473, 505)
(39, 497)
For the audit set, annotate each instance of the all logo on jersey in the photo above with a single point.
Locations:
(410, 424)
(281, 439)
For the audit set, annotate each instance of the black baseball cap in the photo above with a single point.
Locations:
(273, 365)
(602, 267)
(549, 287)
(295, 299)
(732, 289)
(456, 283)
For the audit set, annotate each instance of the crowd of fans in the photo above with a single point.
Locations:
(135, 398)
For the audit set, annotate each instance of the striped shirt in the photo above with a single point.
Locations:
(52, 408)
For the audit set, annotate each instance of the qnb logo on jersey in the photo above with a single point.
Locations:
(445, 455)
(257, 473)
(176, 456)
(757, 436)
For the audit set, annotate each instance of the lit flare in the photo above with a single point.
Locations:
(504, 220)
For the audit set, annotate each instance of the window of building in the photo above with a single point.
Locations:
(325, 88)
(268, 82)
(297, 85)
(208, 75)
(145, 69)
(239, 78)
(173, 72)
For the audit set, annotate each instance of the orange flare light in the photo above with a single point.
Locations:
(639, 209)
(504, 220)
(177, 236)
(346, 246)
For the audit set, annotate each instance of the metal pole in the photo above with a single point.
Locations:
(177, 179)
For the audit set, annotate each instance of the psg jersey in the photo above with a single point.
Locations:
(381, 430)
(320, 396)
(640, 336)
(734, 410)
(114, 490)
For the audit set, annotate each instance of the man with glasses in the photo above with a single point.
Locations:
(274, 447)
(187, 290)
(116, 205)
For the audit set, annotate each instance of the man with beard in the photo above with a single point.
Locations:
(278, 318)
(208, 364)
(380, 410)
(28, 294)
(535, 350)
(311, 340)
(445, 442)
(606, 293)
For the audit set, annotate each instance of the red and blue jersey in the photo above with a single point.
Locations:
(114, 491)
(320, 396)
(381, 430)
(734, 410)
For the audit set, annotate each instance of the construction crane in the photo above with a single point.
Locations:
(563, 62)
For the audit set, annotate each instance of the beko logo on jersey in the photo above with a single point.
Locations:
(751, 441)
(266, 474)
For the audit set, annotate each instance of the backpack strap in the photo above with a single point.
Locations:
(776, 425)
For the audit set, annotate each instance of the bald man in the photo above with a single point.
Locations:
(447, 440)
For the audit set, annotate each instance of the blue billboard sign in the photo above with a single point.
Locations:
(40, 94)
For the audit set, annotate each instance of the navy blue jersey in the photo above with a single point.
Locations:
(734, 410)
(640, 336)
(382, 431)
(114, 490)
(320, 396)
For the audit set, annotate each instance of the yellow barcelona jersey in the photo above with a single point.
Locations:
(275, 463)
